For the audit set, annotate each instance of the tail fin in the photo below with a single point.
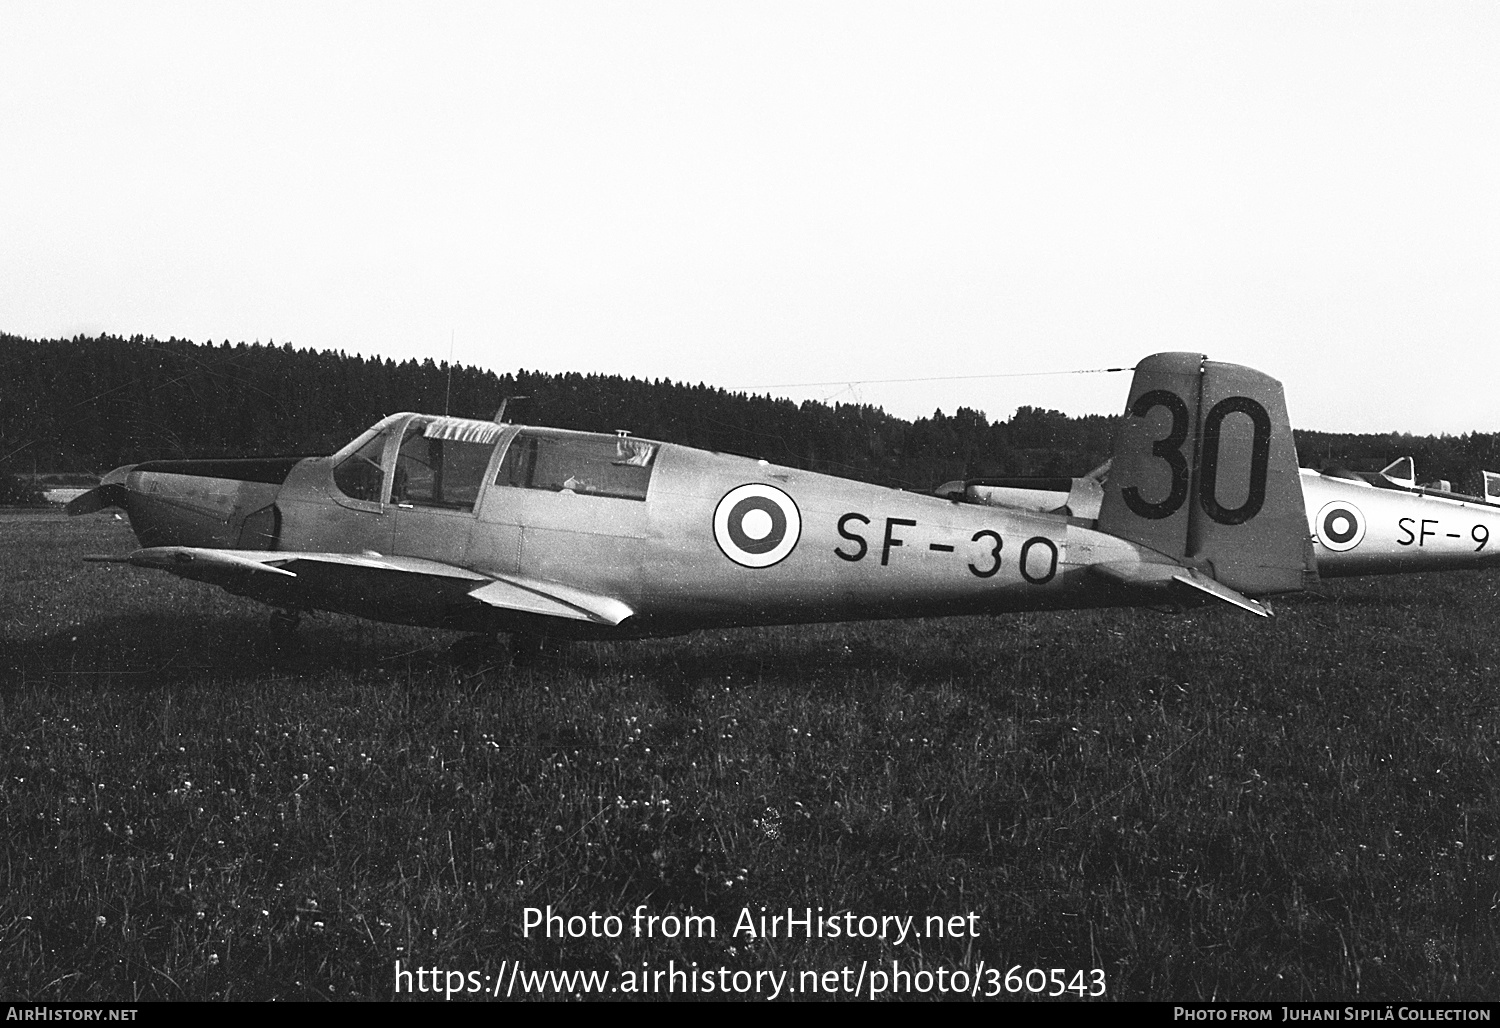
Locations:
(1205, 471)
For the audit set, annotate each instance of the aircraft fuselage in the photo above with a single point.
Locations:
(474, 525)
(713, 540)
(1362, 529)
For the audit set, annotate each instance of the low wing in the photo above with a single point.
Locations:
(232, 568)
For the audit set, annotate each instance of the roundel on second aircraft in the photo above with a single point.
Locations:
(1341, 526)
(757, 525)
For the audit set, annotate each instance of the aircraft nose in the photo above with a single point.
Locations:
(228, 504)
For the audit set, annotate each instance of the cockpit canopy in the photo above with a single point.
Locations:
(426, 460)
(592, 465)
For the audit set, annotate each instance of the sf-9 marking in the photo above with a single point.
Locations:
(1418, 536)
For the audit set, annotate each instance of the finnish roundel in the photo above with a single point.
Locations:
(1340, 526)
(756, 525)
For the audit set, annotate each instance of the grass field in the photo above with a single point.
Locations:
(1203, 806)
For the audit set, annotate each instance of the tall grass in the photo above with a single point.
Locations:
(1203, 806)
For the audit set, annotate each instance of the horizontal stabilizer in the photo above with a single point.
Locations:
(1219, 591)
(1167, 577)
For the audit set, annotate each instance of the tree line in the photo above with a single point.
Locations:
(88, 404)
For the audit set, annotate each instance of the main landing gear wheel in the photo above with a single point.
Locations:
(530, 650)
(281, 639)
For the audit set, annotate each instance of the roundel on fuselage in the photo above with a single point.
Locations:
(1340, 526)
(757, 525)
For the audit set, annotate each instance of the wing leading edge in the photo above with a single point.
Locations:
(230, 568)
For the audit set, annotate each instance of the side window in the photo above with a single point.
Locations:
(359, 476)
(588, 465)
(435, 470)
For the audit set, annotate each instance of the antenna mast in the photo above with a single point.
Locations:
(448, 395)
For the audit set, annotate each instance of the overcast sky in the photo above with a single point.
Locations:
(760, 194)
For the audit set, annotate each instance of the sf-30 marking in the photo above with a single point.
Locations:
(1037, 560)
(1418, 536)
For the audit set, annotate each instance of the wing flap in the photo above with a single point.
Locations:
(373, 561)
(551, 600)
